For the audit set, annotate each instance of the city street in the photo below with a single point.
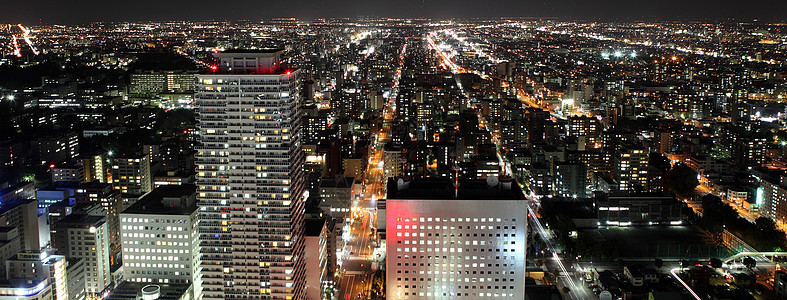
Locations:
(356, 264)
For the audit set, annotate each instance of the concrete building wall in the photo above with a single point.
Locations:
(449, 249)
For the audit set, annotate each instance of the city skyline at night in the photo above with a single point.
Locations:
(393, 150)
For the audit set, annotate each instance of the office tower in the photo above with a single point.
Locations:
(638, 209)
(75, 278)
(86, 237)
(151, 82)
(250, 182)
(131, 174)
(455, 240)
(159, 234)
(68, 172)
(23, 190)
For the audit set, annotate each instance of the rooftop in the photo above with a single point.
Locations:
(155, 201)
(313, 227)
(133, 291)
(443, 188)
(81, 220)
(261, 51)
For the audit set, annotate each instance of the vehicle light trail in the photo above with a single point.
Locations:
(685, 285)
(17, 52)
(26, 37)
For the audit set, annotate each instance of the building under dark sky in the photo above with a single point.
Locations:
(67, 12)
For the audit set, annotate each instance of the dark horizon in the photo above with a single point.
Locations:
(62, 12)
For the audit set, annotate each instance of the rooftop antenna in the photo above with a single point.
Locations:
(456, 181)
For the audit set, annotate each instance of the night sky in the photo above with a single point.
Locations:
(34, 12)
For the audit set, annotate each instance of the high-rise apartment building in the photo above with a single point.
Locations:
(631, 171)
(587, 127)
(94, 167)
(249, 174)
(131, 174)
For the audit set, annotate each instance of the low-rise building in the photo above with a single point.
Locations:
(627, 209)
(638, 275)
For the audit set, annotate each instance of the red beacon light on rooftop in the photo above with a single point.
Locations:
(214, 68)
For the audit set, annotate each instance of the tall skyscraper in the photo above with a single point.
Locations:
(249, 174)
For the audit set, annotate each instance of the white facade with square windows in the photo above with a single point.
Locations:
(159, 238)
(455, 249)
(159, 248)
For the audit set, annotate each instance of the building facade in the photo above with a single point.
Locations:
(467, 247)
(131, 174)
(86, 237)
(250, 184)
(159, 234)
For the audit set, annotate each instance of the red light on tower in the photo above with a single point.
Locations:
(52, 166)
(289, 72)
(214, 67)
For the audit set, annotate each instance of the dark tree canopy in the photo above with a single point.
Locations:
(681, 180)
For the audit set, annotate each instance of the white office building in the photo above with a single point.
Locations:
(250, 181)
(159, 237)
(446, 243)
